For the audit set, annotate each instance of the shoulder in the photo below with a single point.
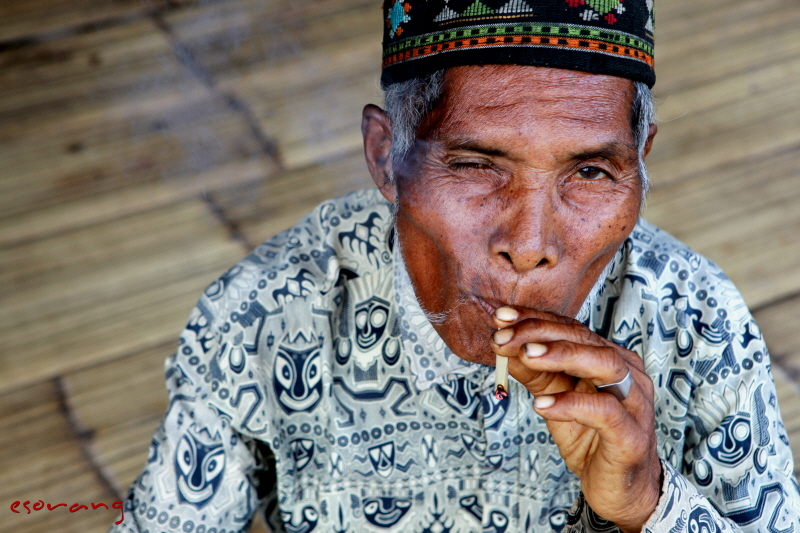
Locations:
(280, 297)
(346, 236)
(657, 267)
(690, 284)
(672, 305)
(655, 253)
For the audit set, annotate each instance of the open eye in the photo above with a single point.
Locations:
(740, 430)
(591, 173)
(361, 318)
(378, 318)
(715, 439)
(499, 519)
(559, 518)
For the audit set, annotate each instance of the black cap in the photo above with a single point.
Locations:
(599, 36)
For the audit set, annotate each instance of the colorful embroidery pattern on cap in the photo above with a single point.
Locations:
(599, 36)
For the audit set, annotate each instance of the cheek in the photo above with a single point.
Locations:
(426, 244)
(441, 241)
(452, 219)
(606, 221)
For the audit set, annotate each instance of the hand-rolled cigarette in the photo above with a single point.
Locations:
(501, 377)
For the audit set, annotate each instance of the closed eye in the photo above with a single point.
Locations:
(470, 165)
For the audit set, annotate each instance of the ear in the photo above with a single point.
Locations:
(377, 130)
(650, 135)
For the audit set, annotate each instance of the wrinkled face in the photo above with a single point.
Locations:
(522, 185)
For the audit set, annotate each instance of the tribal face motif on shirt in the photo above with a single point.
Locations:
(730, 443)
(385, 512)
(200, 466)
(300, 521)
(701, 521)
(382, 458)
(298, 378)
(371, 319)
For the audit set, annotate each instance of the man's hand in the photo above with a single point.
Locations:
(609, 444)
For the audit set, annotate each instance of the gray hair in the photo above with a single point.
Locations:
(407, 103)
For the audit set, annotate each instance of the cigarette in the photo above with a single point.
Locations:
(501, 377)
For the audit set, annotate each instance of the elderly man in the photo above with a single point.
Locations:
(341, 377)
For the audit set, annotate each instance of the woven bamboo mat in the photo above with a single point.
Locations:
(147, 145)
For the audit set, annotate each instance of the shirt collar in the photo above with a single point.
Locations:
(431, 361)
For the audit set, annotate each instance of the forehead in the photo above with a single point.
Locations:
(532, 100)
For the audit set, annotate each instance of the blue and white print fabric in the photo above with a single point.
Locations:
(310, 351)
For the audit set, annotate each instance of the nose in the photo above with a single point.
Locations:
(526, 236)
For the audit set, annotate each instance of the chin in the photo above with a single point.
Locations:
(467, 331)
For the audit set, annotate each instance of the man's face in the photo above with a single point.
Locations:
(521, 187)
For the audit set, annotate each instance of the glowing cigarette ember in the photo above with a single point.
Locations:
(501, 377)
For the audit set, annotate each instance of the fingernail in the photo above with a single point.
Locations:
(502, 336)
(506, 314)
(543, 402)
(533, 349)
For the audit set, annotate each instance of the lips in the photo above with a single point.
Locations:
(486, 306)
(489, 305)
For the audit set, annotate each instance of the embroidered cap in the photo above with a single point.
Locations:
(599, 36)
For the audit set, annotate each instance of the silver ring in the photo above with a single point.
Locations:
(620, 389)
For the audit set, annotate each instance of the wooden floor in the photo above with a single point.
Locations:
(147, 145)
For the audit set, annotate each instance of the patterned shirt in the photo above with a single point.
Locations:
(309, 386)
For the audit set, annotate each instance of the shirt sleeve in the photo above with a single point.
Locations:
(201, 474)
(726, 458)
(683, 508)
(738, 471)
(680, 509)
(740, 476)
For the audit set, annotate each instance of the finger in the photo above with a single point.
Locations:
(601, 412)
(508, 315)
(543, 378)
(508, 341)
(538, 382)
(529, 331)
(602, 365)
(595, 365)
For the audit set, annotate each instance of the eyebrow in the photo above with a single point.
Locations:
(608, 150)
(474, 145)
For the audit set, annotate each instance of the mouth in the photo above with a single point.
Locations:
(489, 306)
